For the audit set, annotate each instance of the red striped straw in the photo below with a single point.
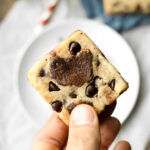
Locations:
(46, 16)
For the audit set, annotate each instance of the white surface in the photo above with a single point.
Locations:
(111, 44)
(17, 131)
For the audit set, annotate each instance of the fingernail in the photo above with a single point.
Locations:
(82, 115)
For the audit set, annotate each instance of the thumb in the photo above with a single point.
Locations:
(84, 131)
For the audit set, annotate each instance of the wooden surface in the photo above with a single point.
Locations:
(5, 5)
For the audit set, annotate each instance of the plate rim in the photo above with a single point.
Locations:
(31, 40)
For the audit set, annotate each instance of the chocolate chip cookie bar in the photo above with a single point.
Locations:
(76, 72)
(126, 6)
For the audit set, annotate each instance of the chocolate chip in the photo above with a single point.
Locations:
(71, 106)
(112, 84)
(91, 90)
(97, 63)
(42, 73)
(53, 53)
(75, 70)
(57, 105)
(74, 48)
(138, 9)
(53, 87)
(72, 95)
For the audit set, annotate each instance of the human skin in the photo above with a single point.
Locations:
(86, 131)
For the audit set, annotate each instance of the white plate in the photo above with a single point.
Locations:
(110, 42)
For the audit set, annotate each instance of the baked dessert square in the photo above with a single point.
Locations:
(112, 7)
(76, 72)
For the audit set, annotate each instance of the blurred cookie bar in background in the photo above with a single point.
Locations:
(112, 7)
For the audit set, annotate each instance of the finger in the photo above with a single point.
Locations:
(108, 131)
(122, 145)
(84, 129)
(107, 112)
(52, 136)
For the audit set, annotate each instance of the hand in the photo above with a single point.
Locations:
(86, 132)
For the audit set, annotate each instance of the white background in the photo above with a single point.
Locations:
(16, 129)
